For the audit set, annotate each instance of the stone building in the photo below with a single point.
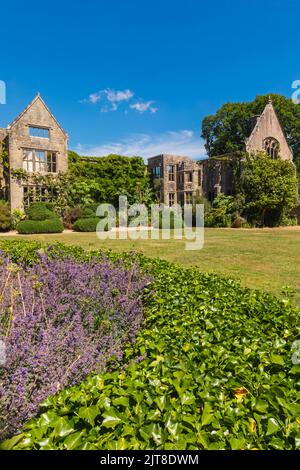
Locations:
(265, 134)
(176, 179)
(36, 143)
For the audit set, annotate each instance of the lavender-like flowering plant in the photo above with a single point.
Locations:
(60, 320)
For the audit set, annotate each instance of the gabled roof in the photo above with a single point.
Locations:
(37, 98)
(268, 106)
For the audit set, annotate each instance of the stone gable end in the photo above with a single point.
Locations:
(268, 125)
(19, 140)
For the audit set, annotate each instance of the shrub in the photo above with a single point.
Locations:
(40, 211)
(287, 221)
(86, 225)
(88, 213)
(90, 224)
(5, 216)
(61, 319)
(211, 369)
(40, 226)
(41, 219)
(221, 211)
(71, 214)
(17, 216)
(90, 210)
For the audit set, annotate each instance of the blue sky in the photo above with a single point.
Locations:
(138, 76)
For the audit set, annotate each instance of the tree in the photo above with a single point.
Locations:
(226, 131)
(269, 187)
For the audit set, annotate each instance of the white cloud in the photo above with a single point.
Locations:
(94, 97)
(111, 100)
(142, 106)
(118, 96)
(182, 142)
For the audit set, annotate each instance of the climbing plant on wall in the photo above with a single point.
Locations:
(3, 169)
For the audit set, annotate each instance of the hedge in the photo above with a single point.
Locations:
(88, 225)
(211, 369)
(40, 226)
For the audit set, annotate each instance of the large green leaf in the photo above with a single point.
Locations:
(273, 426)
(89, 413)
(111, 419)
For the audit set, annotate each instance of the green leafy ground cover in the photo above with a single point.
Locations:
(211, 369)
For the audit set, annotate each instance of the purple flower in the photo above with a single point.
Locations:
(61, 319)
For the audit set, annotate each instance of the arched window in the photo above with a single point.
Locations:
(271, 146)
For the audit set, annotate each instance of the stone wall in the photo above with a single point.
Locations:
(19, 139)
(180, 185)
(217, 177)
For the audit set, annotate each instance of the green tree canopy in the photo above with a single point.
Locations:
(226, 131)
(269, 188)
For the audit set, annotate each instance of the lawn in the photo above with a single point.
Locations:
(267, 259)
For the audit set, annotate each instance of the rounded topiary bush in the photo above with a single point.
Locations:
(40, 219)
(40, 211)
(54, 225)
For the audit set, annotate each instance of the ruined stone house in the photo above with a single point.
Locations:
(35, 143)
(176, 179)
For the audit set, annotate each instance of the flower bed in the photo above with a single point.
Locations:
(210, 369)
(61, 319)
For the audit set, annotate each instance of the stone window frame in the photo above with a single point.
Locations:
(35, 165)
(33, 193)
(40, 132)
(180, 176)
(272, 147)
(171, 197)
(171, 172)
(189, 176)
(51, 162)
(188, 199)
(199, 177)
(39, 160)
(156, 171)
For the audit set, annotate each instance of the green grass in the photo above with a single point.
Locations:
(267, 259)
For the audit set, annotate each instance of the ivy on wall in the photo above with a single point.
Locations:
(92, 180)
